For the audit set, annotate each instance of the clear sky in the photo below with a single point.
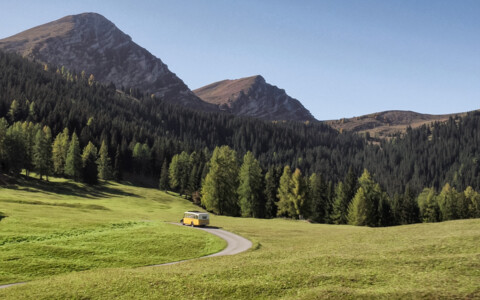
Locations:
(339, 58)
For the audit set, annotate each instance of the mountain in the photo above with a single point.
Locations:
(387, 123)
(92, 43)
(253, 96)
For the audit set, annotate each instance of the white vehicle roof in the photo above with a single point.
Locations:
(196, 212)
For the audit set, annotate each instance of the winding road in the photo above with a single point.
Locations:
(235, 244)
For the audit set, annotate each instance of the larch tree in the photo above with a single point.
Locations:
(104, 163)
(90, 167)
(285, 204)
(73, 163)
(299, 195)
(59, 152)
(357, 210)
(219, 191)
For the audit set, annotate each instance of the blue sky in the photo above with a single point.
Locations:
(339, 58)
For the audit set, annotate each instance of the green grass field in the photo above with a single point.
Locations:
(290, 259)
(62, 226)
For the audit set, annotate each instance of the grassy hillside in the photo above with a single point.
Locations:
(62, 226)
(387, 123)
(290, 259)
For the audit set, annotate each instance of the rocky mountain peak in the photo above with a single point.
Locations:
(253, 96)
(92, 43)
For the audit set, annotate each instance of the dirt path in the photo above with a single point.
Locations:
(235, 244)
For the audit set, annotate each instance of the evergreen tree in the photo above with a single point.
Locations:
(219, 191)
(89, 161)
(250, 188)
(340, 205)
(271, 188)
(117, 167)
(163, 183)
(319, 199)
(14, 147)
(179, 172)
(73, 163)
(344, 193)
(410, 211)
(104, 165)
(42, 152)
(3, 152)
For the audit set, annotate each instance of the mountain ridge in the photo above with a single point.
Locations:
(387, 123)
(90, 42)
(253, 96)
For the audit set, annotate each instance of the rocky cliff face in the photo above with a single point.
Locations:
(254, 97)
(92, 43)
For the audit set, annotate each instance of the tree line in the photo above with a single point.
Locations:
(234, 189)
(28, 146)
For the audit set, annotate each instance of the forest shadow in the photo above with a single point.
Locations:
(100, 190)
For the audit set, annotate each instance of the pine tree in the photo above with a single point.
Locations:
(73, 163)
(270, 192)
(250, 187)
(318, 199)
(344, 193)
(104, 165)
(42, 152)
(340, 205)
(163, 183)
(410, 211)
(89, 160)
(179, 172)
(117, 167)
(219, 190)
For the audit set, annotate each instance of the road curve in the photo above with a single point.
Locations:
(235, 244)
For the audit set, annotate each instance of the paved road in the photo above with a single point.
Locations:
(235, 244)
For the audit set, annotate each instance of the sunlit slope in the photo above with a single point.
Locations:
(62, 226)
(297, 260)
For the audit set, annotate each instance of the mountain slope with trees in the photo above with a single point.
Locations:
(50, 114)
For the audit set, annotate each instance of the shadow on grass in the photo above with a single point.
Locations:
(100, 190)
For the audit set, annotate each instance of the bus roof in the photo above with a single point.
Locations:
(196, 212)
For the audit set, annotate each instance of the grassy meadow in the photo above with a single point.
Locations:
(63, 226)
(86, 247)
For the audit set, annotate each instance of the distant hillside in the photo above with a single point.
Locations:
(92, 43)
(253, 96)
(387, 123)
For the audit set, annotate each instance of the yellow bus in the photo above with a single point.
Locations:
(195, 218)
